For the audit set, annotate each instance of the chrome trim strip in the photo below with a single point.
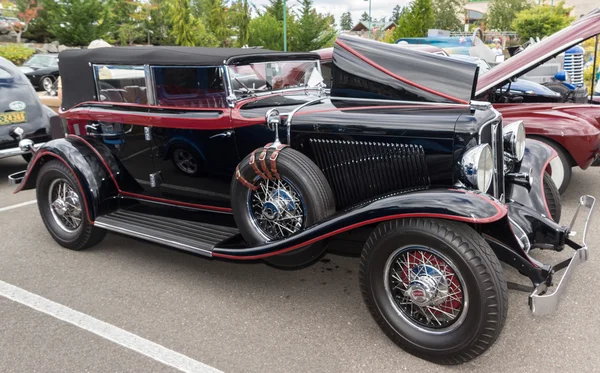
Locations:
(542, 303)
(495, 185)
(148, 237)
(11, 152)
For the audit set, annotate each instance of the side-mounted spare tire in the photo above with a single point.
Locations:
(277, 192)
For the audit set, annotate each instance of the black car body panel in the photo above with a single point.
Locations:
(16, 91)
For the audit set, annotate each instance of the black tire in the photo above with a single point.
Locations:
(50, 79)
(564, 163)
(85, 235)
(27, 157)
(313, 189)
(470, 257)
(552, 197)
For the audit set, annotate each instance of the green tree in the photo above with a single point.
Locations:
(275, 8)
(186, 29)
(346, 21)
(217, 21)
(79, 22)
(501, 13)
(415, 20)
(312, 30)
(240, 16)
(364, 17)
(266, 31)
(396, 13)
(542, 20)
(39, 28)
(445, 13)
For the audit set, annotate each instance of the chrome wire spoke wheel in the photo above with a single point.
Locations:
(276, 208)
(65, 205)
(425, 290)
(185, 161)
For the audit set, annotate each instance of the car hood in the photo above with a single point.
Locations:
(27, 69)
(539, 53)
(365, 68)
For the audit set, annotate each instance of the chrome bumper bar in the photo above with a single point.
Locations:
(5, 153)
(542, 303)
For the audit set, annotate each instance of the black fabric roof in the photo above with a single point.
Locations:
(181, 56)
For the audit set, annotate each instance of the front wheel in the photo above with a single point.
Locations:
(560, 166)
(552, 197)
(435, 287)
(61, 205)
(47, 83)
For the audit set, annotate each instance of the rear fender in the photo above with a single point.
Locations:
(458, 205)
(94, 181)
(536, 159)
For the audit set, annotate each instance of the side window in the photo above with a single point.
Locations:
(200, 87)
(121, 83)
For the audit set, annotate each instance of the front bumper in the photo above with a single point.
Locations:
(11, 152)
(540, 301)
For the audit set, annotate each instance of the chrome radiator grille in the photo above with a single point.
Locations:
(358, 170)
(491, 133)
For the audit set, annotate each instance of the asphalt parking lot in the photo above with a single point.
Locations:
(249, 317)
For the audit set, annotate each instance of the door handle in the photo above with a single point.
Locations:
(222, 134)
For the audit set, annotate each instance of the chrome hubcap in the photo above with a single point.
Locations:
(47, 83)
(185, 161)
(558, 171)
(65, 205)
(276, 208)
(424, 289)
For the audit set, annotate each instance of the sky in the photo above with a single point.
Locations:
(379, 8)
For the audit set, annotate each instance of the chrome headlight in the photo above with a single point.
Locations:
(514, 140)
(478, 167)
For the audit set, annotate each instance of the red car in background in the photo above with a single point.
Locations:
(573, 130)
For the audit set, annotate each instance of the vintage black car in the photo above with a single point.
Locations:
(22, 115)
(42, 71)
(241, 154)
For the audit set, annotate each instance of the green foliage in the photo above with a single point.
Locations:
(16, 53)
(396, 13)
(240, 16)
(346, 21)
(266, 31)
(364, 17)
(186, 29)
(415, 20)
(275, 8)
(446, 14)
(312, 30)
(542, 20)
(501, 13)
(79, 22)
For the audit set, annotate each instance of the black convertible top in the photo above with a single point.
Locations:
(75, 65)
(180, 56)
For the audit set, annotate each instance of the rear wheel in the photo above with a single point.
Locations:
(61, 205)
(283, 202)
(435, 288)
(552, 197)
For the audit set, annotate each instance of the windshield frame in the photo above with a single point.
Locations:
(255, 93)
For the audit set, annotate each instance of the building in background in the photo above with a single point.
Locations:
(377, 29)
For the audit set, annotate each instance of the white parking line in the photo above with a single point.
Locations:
(105, 330)
(17, 205)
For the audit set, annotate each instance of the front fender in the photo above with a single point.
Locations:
(536, 159)
(92, 177)
(459, 205)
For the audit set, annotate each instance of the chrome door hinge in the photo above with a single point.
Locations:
(155, 179)
(148, 133)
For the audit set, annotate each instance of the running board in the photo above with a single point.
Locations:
(186, 235)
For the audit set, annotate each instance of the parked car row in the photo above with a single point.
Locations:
(412, 158)
(8, 24)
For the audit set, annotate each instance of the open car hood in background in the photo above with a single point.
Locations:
(541, 52)
(370, 69)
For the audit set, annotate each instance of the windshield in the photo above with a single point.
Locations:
(41, 60)
(273, 76)
(484, 67)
